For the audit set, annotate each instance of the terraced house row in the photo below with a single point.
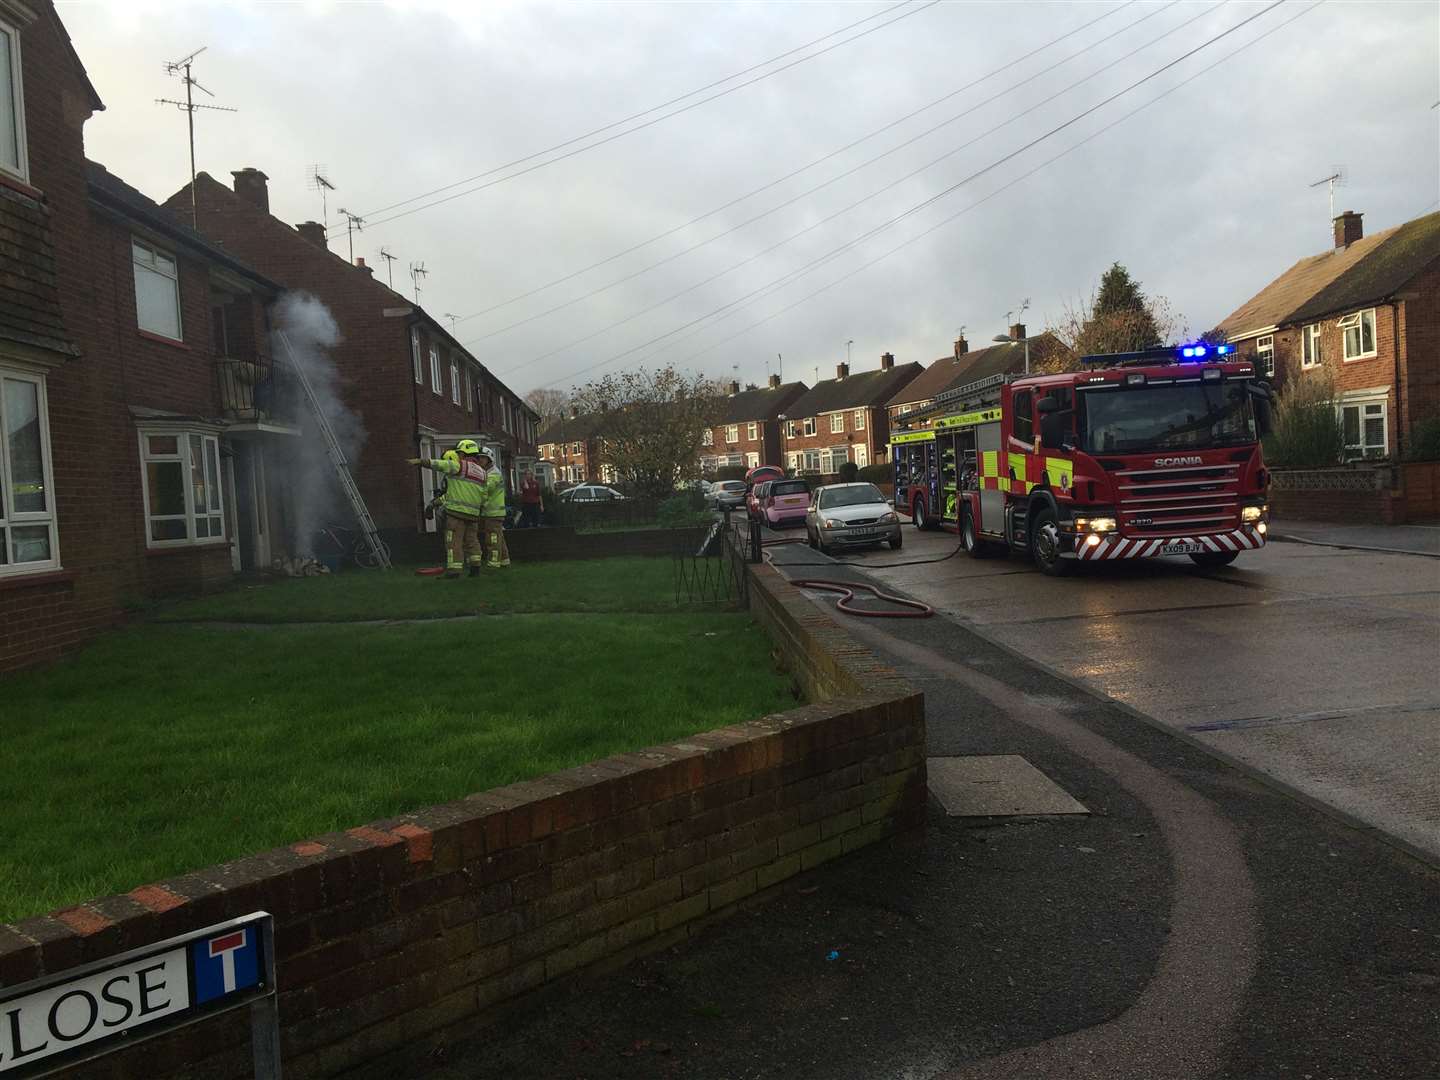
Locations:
(149, 436)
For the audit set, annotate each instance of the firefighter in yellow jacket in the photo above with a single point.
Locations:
(494, 512)
(465, 502)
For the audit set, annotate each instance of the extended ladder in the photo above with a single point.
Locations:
(379, 550)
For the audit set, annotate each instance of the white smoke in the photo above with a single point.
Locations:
(310, 331)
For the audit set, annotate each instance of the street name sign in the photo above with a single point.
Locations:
(89, 1011)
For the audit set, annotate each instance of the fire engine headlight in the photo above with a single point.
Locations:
(1251, 514)
(1100, 524)
(1262, 528)
(1092, 540)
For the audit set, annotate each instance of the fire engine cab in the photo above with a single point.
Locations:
(1137, 455)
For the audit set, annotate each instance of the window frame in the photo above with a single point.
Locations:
(17, 96)
(435, 378)
(1356, 320)
(1312, 352)
(1265, 354)
(136, 267)
(790, 429)
(1028, 417)
(1361, 404)
(454, 382)
(837, 423)
(732, 434)
(752, 430)
(182, 434)
(858, 421)
(10, 518)
(415, 359)
(469, 391)
(810, 426)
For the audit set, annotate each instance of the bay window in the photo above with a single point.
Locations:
(28, 540)
(180, 474)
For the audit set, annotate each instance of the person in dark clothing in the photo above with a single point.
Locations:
(531, 502)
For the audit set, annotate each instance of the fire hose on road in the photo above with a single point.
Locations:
(915, 609)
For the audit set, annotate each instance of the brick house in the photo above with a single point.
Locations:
(967, 365)
(748, 434)
(921, 391)
(1368, 313)
(138, 411)
(415, 389)
(844, 418)
(572, 447)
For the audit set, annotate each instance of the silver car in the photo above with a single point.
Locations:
(845, 514)
(727, 493)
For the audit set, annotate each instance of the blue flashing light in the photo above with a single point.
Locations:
(1224, 350)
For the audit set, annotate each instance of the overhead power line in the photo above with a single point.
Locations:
(925, 6)
(865, 164)
(979, 202)
(899, 180)
(834, 253)
(804, 168)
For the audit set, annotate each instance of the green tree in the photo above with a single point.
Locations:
(1118, 317)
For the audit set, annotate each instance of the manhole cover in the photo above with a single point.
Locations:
(1002, 785)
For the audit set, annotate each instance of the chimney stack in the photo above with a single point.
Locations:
(961, 347)
(1348, 229)
(360, 265)
(842, 370)
(734, 387)
(250, 185)
(314, 232)
(774, 382)
(1017, 332)
(887, 361)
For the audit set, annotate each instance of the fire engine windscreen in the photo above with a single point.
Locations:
(1193, 416)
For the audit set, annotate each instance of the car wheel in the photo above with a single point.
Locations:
(896, 541)
(1045, 545)
(810, 537)
(918, 516)
(1212, 560)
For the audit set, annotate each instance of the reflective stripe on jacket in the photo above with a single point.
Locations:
(465, 492)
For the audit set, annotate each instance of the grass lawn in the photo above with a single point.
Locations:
(165, 747)
(625, 584)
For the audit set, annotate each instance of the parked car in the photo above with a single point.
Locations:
(752, 500)
(785, 502)
(761, 473)
(842, 515)
(590, 493)
(728, 494)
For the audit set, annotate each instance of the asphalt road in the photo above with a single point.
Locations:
(1314, 665)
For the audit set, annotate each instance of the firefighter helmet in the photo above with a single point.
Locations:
(467, 446)
(451, 455)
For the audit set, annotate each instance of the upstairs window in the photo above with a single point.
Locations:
(12, 105)
(435, 370)
(415, 357)
(469, 392)
(454, 382)
(790, 429)
(859, 419)
(752, 430)
(837, 423)
(1310, 355)
(732, 433)
(810, 425)
(28, 540)
(157, 290)
(1359, 330)
(1265, 355)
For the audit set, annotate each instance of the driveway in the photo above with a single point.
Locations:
(1314, 665)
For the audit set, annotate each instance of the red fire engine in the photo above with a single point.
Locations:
(1138, 455)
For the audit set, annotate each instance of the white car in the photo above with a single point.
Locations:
(842, 515)
(590, 493)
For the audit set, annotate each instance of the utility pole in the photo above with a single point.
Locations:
(353, 223)
(417, 271)
(188, 107)
(389, 267)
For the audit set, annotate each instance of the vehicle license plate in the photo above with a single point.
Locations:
(1182, 548)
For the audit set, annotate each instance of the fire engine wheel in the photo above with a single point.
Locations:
(918, 516)
(974, 546)
(1045, 545)
(1211, 559)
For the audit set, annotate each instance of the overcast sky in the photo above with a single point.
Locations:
(1204, 195)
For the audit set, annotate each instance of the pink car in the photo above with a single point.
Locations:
(785, 502)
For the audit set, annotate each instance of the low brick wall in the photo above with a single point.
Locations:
(391, 933)
(1362, 494)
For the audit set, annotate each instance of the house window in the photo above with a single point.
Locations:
(415, 357)
(862, 455)
(794, 462)
(1265, 355)
(859, 419)
(732, 433)
(752, 461)
(837, 423)
(1364, 425)
(832, 459)
(157, 290)
(181, 477)
(435, 370)
(575, 448)
(1310, 355)
(1359, 330)
(28, 541)
(810, 461)
(905, 410)
(752, 431)
(469, 392)
(810, 425)
(708, 438)
(12, 105)
(790, 429)
(454, 382)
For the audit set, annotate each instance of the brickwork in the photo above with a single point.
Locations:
(873, 435)
(389, 933)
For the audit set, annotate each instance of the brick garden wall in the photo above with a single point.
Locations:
(390, 933)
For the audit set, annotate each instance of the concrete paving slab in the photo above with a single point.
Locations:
(998, 785)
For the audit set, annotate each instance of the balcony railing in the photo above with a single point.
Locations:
(256, 391)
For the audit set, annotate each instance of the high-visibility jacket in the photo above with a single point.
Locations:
(465, 493)
(494, 494)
